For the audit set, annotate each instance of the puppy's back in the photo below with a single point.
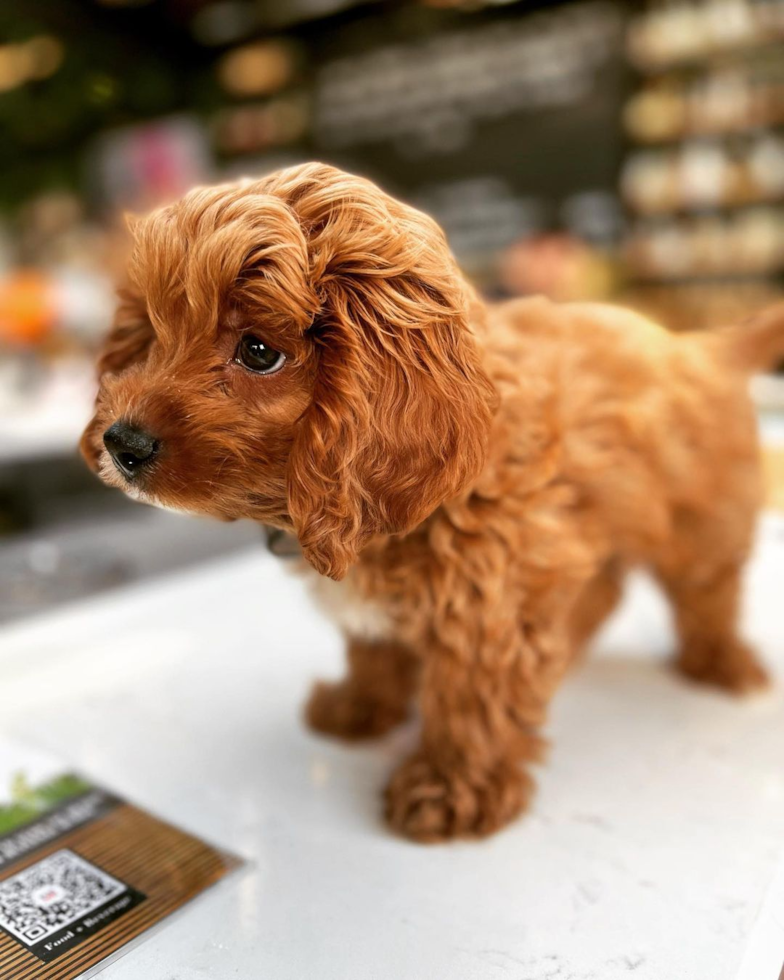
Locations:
(649, 422)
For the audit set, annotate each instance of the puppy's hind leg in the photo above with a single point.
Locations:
(596, 601)
(373, 698)
(703, 583)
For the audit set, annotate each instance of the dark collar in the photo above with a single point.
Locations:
(281, 543)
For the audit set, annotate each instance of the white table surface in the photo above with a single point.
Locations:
(656, 830)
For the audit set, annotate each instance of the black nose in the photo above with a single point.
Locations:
(131, 449)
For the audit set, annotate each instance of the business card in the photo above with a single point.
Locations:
(83, 872)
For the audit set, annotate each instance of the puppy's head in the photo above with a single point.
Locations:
(295, 351)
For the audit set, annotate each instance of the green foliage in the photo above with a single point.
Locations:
(28, 803)
(120, 66)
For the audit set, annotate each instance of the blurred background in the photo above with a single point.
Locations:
(594, 149)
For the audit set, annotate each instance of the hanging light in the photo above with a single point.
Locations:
(256, 69)
(13, 66)
(31, 60)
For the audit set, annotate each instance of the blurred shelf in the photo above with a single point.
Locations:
(90, 553)
(714, 207)
(707, 277)
(747, 127)
(700, 60)
(647, 220)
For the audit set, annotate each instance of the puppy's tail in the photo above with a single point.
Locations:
(755, 344)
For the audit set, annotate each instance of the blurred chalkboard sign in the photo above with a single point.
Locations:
(500, 122)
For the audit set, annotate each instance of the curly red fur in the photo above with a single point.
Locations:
(480, 477)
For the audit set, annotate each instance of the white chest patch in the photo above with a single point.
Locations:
(348, 610)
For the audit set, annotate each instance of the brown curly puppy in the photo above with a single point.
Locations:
(303, 351)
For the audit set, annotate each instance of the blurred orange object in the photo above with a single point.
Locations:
(27, 307)
(558, 266)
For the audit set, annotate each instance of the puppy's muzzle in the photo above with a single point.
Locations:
(131, 449)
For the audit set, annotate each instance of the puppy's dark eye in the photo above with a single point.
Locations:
(253, 354)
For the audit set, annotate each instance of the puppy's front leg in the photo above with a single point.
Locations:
(480, 712)
(374, 696)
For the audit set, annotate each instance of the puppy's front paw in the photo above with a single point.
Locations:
(731, 665)
(430, 805)
(345, 712)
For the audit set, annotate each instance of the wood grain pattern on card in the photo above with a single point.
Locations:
(70, 903)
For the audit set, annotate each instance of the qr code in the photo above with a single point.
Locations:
(53, 894)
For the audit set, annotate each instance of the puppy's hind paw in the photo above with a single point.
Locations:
(429, 805)
(733, 666)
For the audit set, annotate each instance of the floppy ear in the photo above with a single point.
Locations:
(127, 343)
(402, 407)
(128, 339)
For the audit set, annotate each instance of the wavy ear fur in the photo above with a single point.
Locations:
(402, 407)
(127, 343)
(129, 338)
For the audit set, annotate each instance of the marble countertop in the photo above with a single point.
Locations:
(655, 835)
